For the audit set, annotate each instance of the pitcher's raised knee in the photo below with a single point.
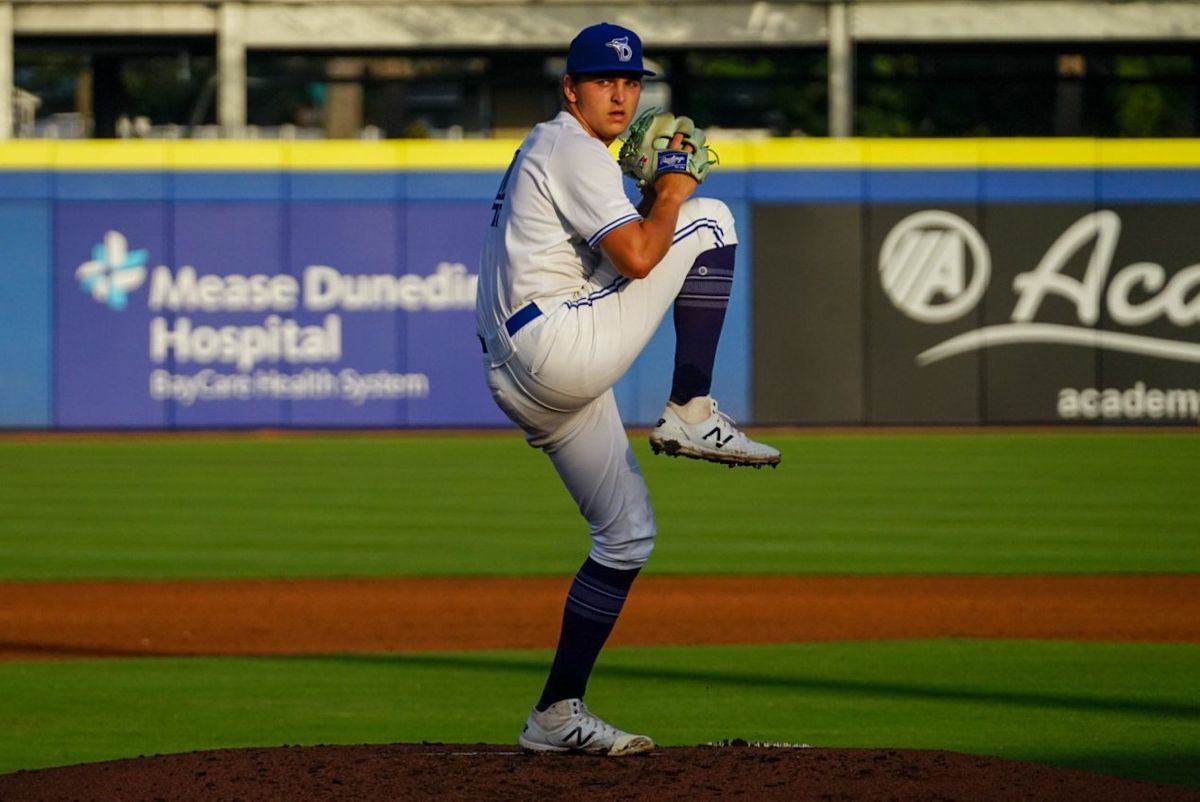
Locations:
(709, 219)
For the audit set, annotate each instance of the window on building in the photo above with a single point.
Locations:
(999, 90)
(113, 87)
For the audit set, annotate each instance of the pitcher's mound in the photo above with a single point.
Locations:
(486, 772)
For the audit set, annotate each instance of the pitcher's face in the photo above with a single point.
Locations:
(604, 104)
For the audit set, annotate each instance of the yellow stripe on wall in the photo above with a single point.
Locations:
(495, 154)
(26, 154)
(777, 154)
(922, 153)
(111, 155)
(349, 155)
(467, 154)
(1034, 153)
(1149, 152)
(201, 154)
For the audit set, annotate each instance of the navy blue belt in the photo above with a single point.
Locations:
(518, 320)
(522, 316)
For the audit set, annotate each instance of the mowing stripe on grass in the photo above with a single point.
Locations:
(995, 502)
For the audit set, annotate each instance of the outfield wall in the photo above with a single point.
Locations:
(213, 284)
(992, 281)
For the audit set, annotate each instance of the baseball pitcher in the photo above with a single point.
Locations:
(573, 282)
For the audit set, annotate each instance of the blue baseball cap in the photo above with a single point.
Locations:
(605, 48)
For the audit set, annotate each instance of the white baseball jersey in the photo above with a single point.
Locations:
(553, 377)
(561, 195)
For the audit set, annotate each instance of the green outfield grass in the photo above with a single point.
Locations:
(236, 506)
(1126, 710)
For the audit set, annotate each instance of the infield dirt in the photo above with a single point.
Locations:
(261, 617)
(445, 771)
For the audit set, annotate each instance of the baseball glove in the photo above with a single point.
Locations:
(647, 154)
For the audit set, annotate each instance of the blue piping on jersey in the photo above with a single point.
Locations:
(596, 295)
(697, 225)
(693, 227)
(620, 221)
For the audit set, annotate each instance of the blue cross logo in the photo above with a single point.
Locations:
(113, 272)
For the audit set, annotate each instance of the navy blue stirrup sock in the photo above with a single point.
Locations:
(593, 604)
(699, 316)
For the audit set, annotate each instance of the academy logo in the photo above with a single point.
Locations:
(934, 266)
(622, 48)
(113, 271)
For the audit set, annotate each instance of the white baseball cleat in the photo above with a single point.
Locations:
(714, 437)
(568, 726)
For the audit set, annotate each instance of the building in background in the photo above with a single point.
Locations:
(374, 68)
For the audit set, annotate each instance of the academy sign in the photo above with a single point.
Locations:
(934, 267)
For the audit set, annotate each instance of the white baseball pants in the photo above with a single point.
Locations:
(558, 385)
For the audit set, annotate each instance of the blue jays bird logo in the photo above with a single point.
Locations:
(621, 46)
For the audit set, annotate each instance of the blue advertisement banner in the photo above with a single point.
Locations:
(102, 325)
(212, 326)
(253, 314)
(443, 244)
(354, 239)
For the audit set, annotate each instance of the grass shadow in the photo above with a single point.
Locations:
(749, 679)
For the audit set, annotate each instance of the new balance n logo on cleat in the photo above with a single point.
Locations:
(580, 739)
(716, 435)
